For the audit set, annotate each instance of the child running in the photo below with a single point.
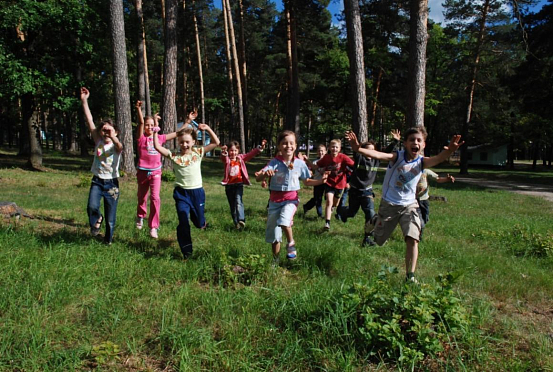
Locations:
(423, 189)
(105, 168)
(236, 176)
(336, 164)
(285, 171)
(318, 191)
(189, 194)
(148, 173)
(399, 203)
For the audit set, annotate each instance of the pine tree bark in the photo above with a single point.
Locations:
(417, 63)
(229, 67)
(169, 110)
(200, 71)
(357, 69)
(243, 68)
(32, 126)
(121, 85)
(141, 63)
(237, 74)
(293, 112)
(464, 168)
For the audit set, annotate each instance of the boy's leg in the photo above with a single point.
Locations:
(367, 205)
(318, 193)
(155, 201)
(142, 193)
(230, 191)
(355, 200)
(329, 205)
(386, 221)
(411, 255)
(111, 199)
(182, 205)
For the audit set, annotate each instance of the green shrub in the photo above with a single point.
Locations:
(522, 242)
(168, 176)
(401, 324)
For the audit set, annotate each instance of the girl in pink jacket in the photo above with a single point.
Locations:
(236, 176)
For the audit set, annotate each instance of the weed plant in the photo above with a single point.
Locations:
(69, 302)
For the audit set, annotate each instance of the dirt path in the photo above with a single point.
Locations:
(542, 191)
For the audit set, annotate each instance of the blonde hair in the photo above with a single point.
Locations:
(336, 141)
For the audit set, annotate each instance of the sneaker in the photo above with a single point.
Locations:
(410, 278)
(327, 226)
(139, 223)
(153, 233)
(291, 251)
(367, 241)
(240, 225)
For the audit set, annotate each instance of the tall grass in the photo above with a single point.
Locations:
(70, 302)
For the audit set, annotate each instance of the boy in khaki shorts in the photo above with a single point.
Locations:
(399, 203)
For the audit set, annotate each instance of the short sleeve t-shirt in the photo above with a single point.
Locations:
(106, 161)
(337, 168)
(148, 157)
(286, 181)
(187, 170)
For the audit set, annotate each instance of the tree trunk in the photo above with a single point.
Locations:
(237, 74)
(243, 68)
(32, 126)
(357, 69)
(417, 63)
(375, 97)
(121, 85)
(169, 111)
(464, 169)
(229, 68)
(200, 72)
(141, 63)
(293, 112)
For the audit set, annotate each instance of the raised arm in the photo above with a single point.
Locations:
(113, 135)
(453, 146)
(356, 147)
(140, 117)
(162, 150)
(88, 115)
(215, 140)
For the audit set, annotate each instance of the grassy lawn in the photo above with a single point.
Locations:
(69, 302)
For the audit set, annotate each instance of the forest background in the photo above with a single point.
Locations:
(488, 71)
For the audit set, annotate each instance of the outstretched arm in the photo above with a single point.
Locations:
(356, 147)
(88, 115)
(215, 140)
(162, 150)
(453, 146)
(448, 178)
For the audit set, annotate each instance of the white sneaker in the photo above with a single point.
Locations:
(153, 233)
(139, 223)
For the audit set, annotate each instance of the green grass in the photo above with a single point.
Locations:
(68, 302)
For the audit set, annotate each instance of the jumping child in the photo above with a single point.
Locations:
(105, 168)
(236, 176)
(148, 173)
(285, 171)
(399, 203)
(318, 191)
(189, 194)
(336, 163)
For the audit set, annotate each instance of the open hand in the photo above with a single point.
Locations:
(396, 134)
(454, 144)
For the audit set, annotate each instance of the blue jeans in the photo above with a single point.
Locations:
(189, 202)
(234, 195)
(316, 201)
(358, 198)
(109, 190)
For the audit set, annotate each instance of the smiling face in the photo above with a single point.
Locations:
(334, 148)
(287, 146)
(233, 152)
(149, 126)
(321, 151)
(414, 145)
(185, 142)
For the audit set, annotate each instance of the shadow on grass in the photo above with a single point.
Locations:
(51, 160)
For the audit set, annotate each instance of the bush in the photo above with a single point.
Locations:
(402, 325)
(523, 242)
